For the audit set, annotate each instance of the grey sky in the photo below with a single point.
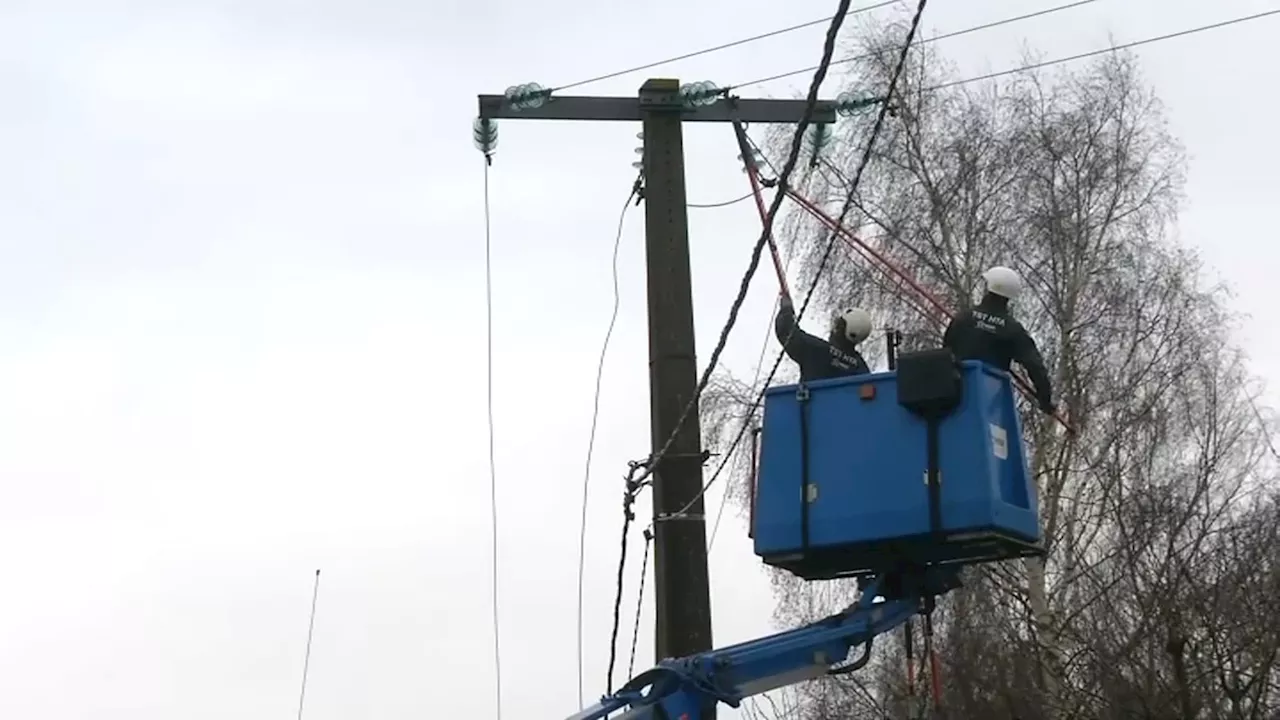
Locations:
(241, 301)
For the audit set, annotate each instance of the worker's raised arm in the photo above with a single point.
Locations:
(798, 344)
(1028, 356)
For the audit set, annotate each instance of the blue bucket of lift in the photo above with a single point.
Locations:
(868, 494)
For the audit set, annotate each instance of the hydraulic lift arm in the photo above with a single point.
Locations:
(680, 689)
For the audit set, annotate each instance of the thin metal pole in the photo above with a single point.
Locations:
(306, 660)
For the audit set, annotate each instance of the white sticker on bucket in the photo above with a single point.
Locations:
(999, 442)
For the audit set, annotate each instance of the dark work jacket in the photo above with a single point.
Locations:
(817, 358)
(990, 334)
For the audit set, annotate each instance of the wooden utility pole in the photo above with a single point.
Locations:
(680, 544)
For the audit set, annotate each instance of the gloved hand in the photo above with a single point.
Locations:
(1048, 407)
(784, 302)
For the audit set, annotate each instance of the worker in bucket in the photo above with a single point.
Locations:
(991, 334)
(819, 359)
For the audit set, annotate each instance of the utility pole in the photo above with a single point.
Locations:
(680, 576)
(680, 544)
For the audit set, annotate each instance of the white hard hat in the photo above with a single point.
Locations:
(1003, 282)
(857, 324)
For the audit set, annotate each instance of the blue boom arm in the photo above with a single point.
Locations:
(680, 689)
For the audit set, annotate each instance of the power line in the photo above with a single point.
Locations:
(1095, 53)
(1048, 63)
(724, 501)
(306, 659)
(1101, 51)
(644, 573)
(935, 38)
(1263, 425)
(726, 203)
(725, 46)
(733, 446)
(793, 157)
(853, 186)
(724, 498)
(1037, 65)
(633, 487)
(493, 464)
(989, 76)
(591, 438)
(628, 515)
(749, 419)
(1025, 68)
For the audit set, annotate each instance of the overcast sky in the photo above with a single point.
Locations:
(241, 303)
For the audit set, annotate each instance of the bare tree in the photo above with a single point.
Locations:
(1154, 596)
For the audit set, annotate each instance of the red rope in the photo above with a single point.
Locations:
(866, 253)
(936, 679)
(753, 175)
(849, 237)
(863, 249)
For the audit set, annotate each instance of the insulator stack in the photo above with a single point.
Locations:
(700, 93)
(527, 96)
(849, 104)
(818, 137)
(639, 164)
(484, 132)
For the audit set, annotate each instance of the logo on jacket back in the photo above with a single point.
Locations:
(988, 322)
(842, 359)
